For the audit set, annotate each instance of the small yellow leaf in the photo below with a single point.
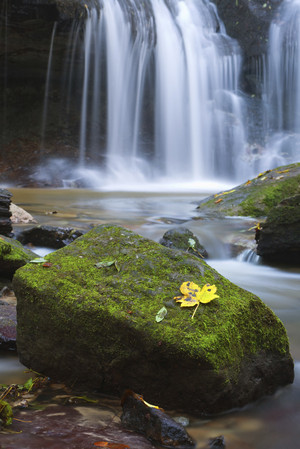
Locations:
(187, 301)
(218, 201)
(248, 182)
(189, 288)
(283, 171)
(207, 293)
(224, 193)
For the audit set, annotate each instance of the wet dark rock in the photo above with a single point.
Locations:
(248, 22)
(217, 443)
(94, 308)
(184, 239)
(49, 236)
(279, 237)
(5, 214)
(8, 320)
(153, 422)
(13, 256)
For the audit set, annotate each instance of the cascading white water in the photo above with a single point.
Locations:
(171, 75)
(282, 89)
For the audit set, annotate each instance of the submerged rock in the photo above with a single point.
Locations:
(89, 318)
(184, 239)
(49, 236)
(13, 256)
(153, 422)
(256, 197)
(279, 237)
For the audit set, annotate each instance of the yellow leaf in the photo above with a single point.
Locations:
(218, 201)
(248, 182)
(189, 288)
(224, 193)
(283, 171)
(193, 295)
(187, 301)
(207, 293)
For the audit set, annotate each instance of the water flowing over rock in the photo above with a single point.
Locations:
(188, 104)
(88, 317)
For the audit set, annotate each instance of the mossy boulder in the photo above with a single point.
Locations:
(13, 256)
(279, 237)
(89, 319)
(256, 197)
(182, 238)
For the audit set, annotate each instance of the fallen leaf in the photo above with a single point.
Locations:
(283, 171)
(193, 295)
(192, 243)
(207, 293)
(257, 227)
(218, 201)
(161, 314)
(248, 182)
(224, 193)
(47, 264)
(38, 260)
(105, 263)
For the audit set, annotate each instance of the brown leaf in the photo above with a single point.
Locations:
(47, 264)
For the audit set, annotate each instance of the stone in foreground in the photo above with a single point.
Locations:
(89, 319)
(13, 256)
(153, 422)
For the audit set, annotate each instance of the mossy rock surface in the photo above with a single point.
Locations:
(256, 197)
(279, 237)
(96, 326)
(13, 256)
(183, 239)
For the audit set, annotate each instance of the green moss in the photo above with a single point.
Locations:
(258, 197)
(79, 295)
(13, 256)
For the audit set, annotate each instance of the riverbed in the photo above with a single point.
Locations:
(272, 422)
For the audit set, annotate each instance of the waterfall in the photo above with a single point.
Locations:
(163, 76)
(282, 87)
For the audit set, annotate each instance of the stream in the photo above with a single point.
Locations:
(270, 423)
